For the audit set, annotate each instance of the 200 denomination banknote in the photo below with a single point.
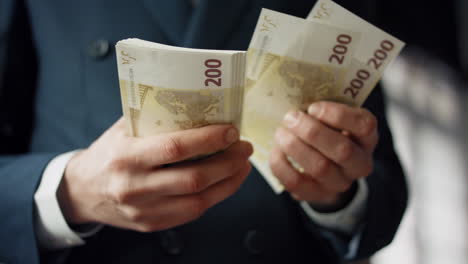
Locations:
(167, 88)
(292, 62)
(376, 50)
(286, 73)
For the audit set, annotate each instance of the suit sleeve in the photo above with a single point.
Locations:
(20, 171)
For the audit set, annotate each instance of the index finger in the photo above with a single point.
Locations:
(181, 145)
(361, 123)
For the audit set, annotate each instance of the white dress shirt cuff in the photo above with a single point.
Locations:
(346, 220)
(52, 229)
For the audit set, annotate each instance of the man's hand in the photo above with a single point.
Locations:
(334, 146)
(120, 180)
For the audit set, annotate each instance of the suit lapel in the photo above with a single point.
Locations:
(213, 22)
(172, 15)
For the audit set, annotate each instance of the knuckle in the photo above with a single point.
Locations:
(365, 169)
(243, 175)
(193, 182)
(291, 183)
(369, 122)
(344, 151)
(116, 163)
(134, 215)
(197, 207)
(322, 167)
(120, 191)
(289, 142)
(215, 139)
(234, 165)
(275, 168)
(339, 117)
(335, 114)
(312, 131)
(277, 164)
(121, 196)
(211, 138)
(344, 186)
(147, 227)
(275, 159)
(301, 118)
(248, 169)
(172, 148)
(368, 168)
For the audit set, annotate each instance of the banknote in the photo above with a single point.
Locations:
(376, 50)
(333, 55)
(290, 72)
(273, 33)
(166, 88)
(291, 62)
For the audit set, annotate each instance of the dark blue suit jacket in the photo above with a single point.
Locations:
(59, 91)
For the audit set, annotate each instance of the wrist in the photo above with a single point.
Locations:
(338, 202)
(66, 196)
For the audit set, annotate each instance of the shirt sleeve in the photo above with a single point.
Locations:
(53, 231)
(346, 220)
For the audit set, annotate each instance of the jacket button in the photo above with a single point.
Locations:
(252, 242)
(99, 49)
(171, 242)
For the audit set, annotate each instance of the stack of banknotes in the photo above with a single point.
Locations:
(166, 88)
(291, 62)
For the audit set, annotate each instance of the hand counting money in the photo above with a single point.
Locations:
(166, 88)
(291, 63)
(289, 69)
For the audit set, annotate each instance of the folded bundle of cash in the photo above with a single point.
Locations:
(292, 62)
(166, 88)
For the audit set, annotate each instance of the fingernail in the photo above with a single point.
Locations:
(314, 110)
(291, 119)
(231, 136)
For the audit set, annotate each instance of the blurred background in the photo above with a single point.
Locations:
(427, 91)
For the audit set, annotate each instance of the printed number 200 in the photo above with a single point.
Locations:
(213, 74)
(340, 49)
